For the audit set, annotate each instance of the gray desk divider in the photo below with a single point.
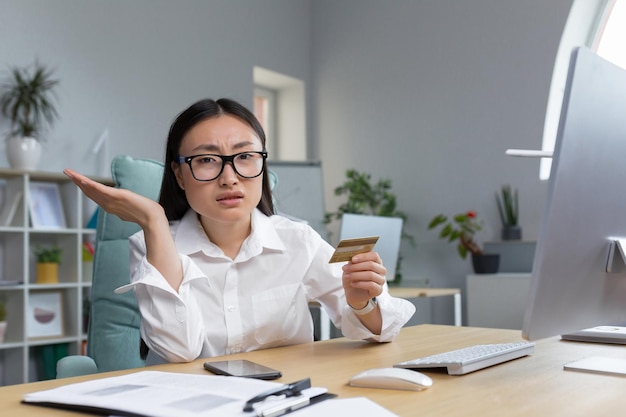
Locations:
(299, 192)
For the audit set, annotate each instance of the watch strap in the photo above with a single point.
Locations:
(371, 305)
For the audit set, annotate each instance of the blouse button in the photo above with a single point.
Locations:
(231, 308)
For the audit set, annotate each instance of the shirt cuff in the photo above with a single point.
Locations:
(147, 274)
(395, 312)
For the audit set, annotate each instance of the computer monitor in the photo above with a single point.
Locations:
(578, 276)
(388, 230)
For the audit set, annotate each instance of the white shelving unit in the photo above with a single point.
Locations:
(19, 354)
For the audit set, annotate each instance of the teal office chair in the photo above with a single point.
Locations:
(113, 337)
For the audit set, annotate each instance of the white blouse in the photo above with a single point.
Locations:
(258, 300)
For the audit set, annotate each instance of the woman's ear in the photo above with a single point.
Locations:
(177, 169)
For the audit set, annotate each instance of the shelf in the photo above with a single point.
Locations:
(20, 355)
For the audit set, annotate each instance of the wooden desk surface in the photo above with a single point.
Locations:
(535, 385)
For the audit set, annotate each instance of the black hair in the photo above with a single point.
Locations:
(172, 197)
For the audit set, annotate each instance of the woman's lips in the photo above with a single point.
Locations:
(230, 199)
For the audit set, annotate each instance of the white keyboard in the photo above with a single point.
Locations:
(471, 358)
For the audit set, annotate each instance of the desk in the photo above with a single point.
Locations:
(408, 292)
(535, 385)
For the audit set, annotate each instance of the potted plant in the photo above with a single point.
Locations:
(366, 197)
(462, 229)
(508, 208)
(27, 101)
(3, 320)
(48, 260)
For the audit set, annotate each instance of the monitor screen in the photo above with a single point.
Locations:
(388, 230)
(586, 208)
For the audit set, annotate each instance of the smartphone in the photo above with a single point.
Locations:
(242, 367)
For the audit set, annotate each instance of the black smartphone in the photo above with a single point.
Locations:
(242, 367)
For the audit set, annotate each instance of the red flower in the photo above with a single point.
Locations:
(471, 214)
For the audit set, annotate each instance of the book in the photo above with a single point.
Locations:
(9, 208)
(49, 355)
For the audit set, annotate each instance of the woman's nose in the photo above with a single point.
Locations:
(228, 175)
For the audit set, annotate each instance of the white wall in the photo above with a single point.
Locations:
(131, 66)
(430, 94)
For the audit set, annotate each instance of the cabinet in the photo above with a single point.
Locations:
(21, 354)
(497, 300)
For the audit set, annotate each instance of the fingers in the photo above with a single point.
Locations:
(92, 189)
(364, 276)
(125, 204)
(369, 261)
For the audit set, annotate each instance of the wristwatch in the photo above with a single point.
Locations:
(371, 304)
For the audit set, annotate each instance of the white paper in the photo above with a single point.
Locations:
(160, 394)
(359, 406)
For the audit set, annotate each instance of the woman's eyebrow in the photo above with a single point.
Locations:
(244, 144)
(208, 147)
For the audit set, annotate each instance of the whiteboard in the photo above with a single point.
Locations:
(299, 192)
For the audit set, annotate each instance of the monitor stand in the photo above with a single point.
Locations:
(599, 334)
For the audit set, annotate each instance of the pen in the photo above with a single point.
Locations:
(288, 390)
(284, 408)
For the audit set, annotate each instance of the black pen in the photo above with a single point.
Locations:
(288, 390)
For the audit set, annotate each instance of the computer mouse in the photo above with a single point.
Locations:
(391, 378)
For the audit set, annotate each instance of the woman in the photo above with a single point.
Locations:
(214, 271)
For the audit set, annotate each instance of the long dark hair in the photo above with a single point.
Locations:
(172, 197)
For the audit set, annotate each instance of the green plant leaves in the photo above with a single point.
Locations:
(48, 254)
(462, 227)
(508, 205)
(366, 197)
(27, 100)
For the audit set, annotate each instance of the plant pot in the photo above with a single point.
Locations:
(3, 330)
(486, 264)
(511, 233)
(47, 273)
(23, 153)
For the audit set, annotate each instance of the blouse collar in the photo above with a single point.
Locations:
(190, 237)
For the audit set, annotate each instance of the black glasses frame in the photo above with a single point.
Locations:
(225, 158)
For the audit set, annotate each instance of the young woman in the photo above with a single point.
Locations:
(214, 270)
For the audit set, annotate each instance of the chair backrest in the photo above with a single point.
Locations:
(113, 337)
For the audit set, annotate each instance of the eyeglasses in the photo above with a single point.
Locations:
(207, 167)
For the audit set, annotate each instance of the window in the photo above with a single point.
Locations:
(599, 25)
(280, 107)
(266, 110)
(611, 37)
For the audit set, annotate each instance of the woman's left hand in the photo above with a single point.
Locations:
(363, 278)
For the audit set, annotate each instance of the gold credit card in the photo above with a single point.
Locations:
(347, 248)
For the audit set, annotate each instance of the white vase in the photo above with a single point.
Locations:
(23, 153)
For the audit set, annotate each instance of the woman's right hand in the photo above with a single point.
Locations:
(125, 204)
(161, 251)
